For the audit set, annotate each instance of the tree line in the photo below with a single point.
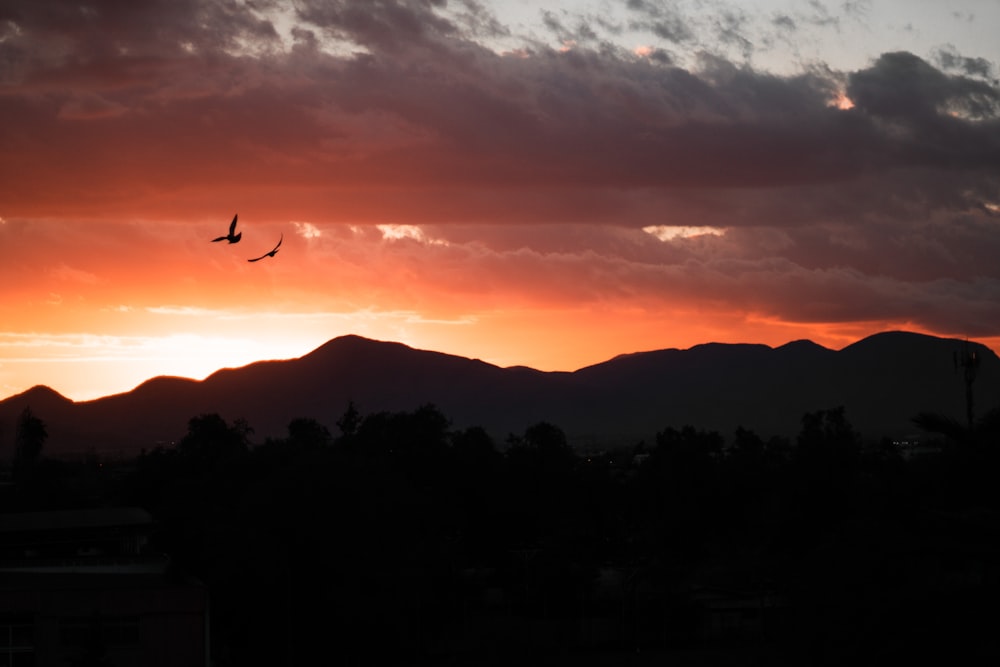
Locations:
(400, 537)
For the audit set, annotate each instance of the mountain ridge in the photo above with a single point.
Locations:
(882, 381)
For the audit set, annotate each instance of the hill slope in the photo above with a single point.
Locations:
(882, 381)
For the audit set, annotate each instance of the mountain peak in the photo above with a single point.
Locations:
(908, 343)
(894, 337)
(353, 342)
(802, 344)
(40, 393)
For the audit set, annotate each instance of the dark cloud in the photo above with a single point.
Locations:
(111, 33)
(468, 116)
(925, 117)
(402, 112)
(820, 275)
(903, 86)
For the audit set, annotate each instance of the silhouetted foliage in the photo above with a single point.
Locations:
(542, 452)
(308, 434)
(29, 438)
(211, 442)
(827, 449)
(827, 434)
(971, 454)
(949, 427)
(404, 540)
(350, 420)
(475, 451)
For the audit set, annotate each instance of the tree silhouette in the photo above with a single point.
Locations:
(349, 421)
(475, 451)
(210, 441)
(308, 434)
(951, 428)
(827, 441)
(544, 448)
(29, 439)
(405, 541)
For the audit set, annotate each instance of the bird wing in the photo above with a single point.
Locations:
(271, 252)
(229, 236)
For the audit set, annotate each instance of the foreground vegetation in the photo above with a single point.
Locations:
(401, 538)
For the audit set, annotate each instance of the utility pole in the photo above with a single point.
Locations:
(968, 361)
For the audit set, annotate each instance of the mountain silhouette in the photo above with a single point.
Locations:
(882, 381)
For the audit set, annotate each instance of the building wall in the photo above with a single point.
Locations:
(147, 623)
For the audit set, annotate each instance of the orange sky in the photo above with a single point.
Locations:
(442, 178)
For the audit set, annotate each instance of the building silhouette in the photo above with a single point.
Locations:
(83, 587)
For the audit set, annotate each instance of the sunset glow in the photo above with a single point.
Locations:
(540, 187)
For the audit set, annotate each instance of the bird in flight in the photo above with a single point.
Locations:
(272, 253)
(232, 238)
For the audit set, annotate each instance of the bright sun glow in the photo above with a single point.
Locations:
(122, 362)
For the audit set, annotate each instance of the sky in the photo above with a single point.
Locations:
(546, 184)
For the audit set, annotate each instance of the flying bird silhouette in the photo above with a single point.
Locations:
(232, 238)
(273, 251)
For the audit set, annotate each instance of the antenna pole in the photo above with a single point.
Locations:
(968, 360)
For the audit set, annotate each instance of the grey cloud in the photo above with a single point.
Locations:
(478, 21)
(950, 59)
(671, 29)
(104, 28)
(858, 9)
(112, 44)
(563, 33)
(664, 20)
(661, 57)
(578, 30)
(731, 27)
(821, 15)
(380, 25)
(784, 22)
